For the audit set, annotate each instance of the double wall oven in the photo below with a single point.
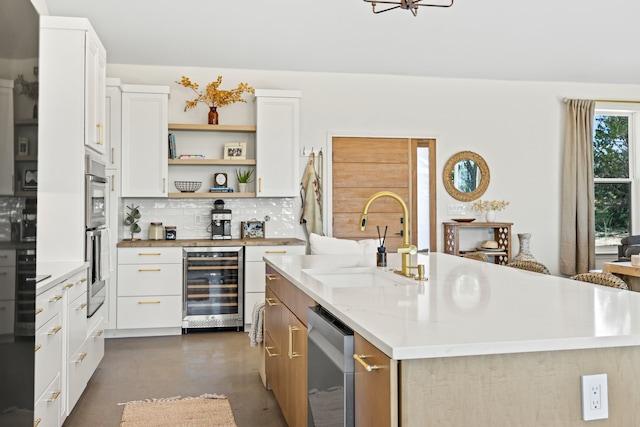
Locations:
(96, 233)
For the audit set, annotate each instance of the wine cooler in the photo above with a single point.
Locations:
(213, 288)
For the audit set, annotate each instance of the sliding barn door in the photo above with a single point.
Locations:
(360, 168)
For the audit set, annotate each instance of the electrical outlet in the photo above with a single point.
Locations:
(197, 220)
(456, 209)
(595, 403)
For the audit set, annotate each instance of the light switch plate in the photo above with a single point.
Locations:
(454, 209)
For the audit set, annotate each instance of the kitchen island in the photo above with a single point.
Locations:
(479, 343)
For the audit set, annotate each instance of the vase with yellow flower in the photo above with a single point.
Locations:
(489, 207)
(213, 96)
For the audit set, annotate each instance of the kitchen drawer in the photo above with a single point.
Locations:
(7, 258)
(152, 255)
(48, 356)
(250, 300)
(255, 253)
(150, 312)
(75, 285)
(7, 316)
(48, 304)
(46, 411)
(78, 374)
(7, 282)
(77, 322)
(150, 279)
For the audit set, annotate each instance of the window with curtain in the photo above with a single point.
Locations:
(613, 141)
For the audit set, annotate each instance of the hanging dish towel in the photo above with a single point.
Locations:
(311, 194)
(257, 319)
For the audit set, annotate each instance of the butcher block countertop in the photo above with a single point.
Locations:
(283, 241)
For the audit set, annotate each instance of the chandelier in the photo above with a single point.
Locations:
(411, 5)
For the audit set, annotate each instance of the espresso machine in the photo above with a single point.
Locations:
(220, 221)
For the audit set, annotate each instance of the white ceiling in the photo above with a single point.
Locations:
(549, 40)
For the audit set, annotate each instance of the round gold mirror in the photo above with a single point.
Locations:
(466, 176)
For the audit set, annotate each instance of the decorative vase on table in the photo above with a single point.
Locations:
(490, 216)
(524, 254)
(213, 116)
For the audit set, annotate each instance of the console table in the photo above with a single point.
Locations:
(501, 234)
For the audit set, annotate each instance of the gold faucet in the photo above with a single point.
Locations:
(405, 249)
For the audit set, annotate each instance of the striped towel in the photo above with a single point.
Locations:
(257, 318)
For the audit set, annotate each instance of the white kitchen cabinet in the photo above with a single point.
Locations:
(49, 356)
(65, 133)
(6, 137)
(254, 273)
(277, 141)
(145, 141)
(115, 214)
(95, 81)
(7, 292)
(149, 291)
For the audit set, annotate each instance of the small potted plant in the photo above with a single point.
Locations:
(244, 177)
(131, 220)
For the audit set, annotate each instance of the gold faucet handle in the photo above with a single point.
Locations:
(420, 268)
(411, 250)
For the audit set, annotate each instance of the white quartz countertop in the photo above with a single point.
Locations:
(468, 307)
(59, 271)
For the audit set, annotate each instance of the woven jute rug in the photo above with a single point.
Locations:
(208, 410)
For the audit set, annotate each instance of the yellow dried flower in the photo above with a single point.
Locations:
(212, 95)
(489, 205)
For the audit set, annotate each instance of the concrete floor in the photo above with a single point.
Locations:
(186, 365)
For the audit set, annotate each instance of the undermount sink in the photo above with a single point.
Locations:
(356, 277)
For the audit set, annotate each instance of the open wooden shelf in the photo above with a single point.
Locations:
(210, 195)
(211, 128)
(228, 162)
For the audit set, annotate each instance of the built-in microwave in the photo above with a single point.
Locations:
(95, 194)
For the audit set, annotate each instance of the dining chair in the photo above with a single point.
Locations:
(529, 266)
(605, 279)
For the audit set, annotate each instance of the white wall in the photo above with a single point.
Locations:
(518, 127)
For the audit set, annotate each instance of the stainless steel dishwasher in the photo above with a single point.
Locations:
(330, 370)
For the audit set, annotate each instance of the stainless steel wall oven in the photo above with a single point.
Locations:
(213, 288)
(96, 233)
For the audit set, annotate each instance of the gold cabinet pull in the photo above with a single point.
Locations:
(55, 298)
(55, 330)
(148, 269)
(113, 156)
(272, 301)
(149, 302)
(98, 334)
(54, 396)
(69, 286)
(84, 279)
(292, 354)
(100, 134)
(269, 353)
(113, 180)
(81, 306)
(81, 358)
(271, 276)
(37, 422)
(149, 253)
(164, 185)
(39, 310)
(275, 252)
(260, 185)
(37, 347)
(360, 359)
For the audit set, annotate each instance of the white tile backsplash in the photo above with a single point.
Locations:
(193, 216)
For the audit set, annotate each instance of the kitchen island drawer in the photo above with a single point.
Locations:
(150, 312)
(8, 283)
(77, 323)
(46, 411)
(150, 279)
(150, 255)
(7, 257)
(48, 304)
(48, 357)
